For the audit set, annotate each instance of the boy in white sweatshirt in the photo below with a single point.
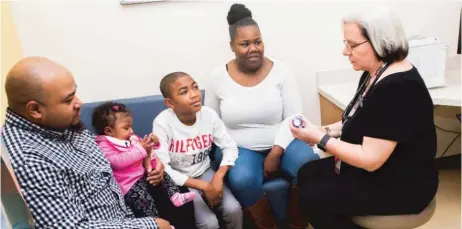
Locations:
(186, 131)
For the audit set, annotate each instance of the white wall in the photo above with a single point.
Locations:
(120, 51)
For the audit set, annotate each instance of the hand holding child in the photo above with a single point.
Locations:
(163, 224)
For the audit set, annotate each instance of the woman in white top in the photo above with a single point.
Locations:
(253, 95)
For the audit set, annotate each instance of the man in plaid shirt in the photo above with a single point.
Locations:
(64, 177)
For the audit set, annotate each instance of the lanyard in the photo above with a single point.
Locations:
(359, 97)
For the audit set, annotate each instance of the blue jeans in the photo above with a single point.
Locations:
(246, 178)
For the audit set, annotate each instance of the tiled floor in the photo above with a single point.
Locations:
(447, 214)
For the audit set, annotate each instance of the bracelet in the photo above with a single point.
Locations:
(327, 128)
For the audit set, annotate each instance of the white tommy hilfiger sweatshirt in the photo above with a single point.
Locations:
(184, 150)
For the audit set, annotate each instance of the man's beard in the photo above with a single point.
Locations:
(78, 127)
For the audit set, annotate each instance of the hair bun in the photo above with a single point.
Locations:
(238, 12)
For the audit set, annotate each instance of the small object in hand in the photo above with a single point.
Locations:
(155, 141)
(134, 139)
(297, 121)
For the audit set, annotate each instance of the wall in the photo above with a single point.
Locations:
(11, 53)
(119, 51)
(10, 48)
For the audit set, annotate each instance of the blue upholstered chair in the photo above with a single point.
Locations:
(145, 109)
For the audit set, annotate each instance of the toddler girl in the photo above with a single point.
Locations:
(130, 157)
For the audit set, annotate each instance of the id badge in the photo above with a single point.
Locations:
(338, 163)
(360, 101)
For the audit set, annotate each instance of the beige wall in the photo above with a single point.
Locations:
(11, 50)
(11, 53)
(117, 51)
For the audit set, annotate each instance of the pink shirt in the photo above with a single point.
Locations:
(126, 160)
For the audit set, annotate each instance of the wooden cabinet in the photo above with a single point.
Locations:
(330, 112)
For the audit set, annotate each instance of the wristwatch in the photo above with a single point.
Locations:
(322, 144)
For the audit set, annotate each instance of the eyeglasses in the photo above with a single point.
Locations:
(352, 46)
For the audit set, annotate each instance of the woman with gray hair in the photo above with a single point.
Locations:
(383, 159)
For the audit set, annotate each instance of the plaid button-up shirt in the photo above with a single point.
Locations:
(65, 179)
